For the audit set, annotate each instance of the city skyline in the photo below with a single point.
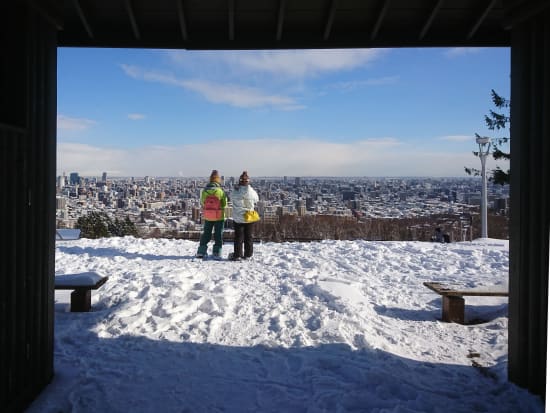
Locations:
(369, 112)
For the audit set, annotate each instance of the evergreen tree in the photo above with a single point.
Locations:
(128, 227)
(497, 121)
(100, 225)
(94, 225)
(115, 228)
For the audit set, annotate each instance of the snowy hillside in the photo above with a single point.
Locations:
(333, 326)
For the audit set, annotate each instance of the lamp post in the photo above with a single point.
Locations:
(484, 146)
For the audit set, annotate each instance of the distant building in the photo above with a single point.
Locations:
(300, 207)
(196, 214)
(454, 196)
(473, 198)
(61, 181)
(60, 203)
(269, 215)
(502, 205)
(348, 195)
(355, 205)
(74, 178)
(282, 210)
(228, 211)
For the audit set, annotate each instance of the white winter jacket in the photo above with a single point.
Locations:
(244, 199)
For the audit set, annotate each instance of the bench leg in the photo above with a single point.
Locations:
(81, 301)
(453, 309)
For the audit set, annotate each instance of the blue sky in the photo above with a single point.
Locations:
(367, 112)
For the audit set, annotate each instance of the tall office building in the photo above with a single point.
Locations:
(348, 195)
(300, 206)
(61, 181)
(74, 178)
(104, 177)
(196, 214)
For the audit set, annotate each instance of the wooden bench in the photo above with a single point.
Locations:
(453, 303)
(82, 284)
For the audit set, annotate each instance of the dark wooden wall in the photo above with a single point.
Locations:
(530, 205)
(27, 205)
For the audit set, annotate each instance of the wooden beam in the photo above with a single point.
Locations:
(231, 18)
(280, 20)
(483, 16)
(522, 12)
(83, 18)
(181, 18)
(330, 19)
(430, 20)
(380, 19)
(132, 16)
(49, 12)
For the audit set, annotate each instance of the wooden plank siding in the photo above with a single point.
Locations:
(28, 157)
(12, 142)
(530, 202)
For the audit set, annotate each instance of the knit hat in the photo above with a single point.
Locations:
(244, 179)
(215, 176)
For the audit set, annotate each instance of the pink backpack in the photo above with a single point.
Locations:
(212, 208)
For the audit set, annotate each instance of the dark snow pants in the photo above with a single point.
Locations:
(243, 234)
(207, 236)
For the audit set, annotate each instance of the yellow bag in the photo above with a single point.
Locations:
(251, 216)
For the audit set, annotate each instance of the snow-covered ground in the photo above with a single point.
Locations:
(333, 326)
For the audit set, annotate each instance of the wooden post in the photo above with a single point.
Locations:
(81, 301)
(453, 309)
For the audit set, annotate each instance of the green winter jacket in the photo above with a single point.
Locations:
(214, 188)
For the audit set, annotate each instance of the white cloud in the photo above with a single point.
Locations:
(462, 51)
(285, 63)
(239, 96)
(136, 116)
(457, 138)
(233, 95)
(66, 123)
(266, 157)
(357, 84)
(302, 63)
(86, 159)
(243, 78)
(380, 142)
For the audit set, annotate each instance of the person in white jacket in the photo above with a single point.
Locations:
(244, 199)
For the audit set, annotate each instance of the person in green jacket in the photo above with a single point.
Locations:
(213, 202)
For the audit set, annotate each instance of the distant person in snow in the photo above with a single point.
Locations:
(244, 199)
(213, 203)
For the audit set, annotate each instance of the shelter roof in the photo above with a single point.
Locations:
(282, 24)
